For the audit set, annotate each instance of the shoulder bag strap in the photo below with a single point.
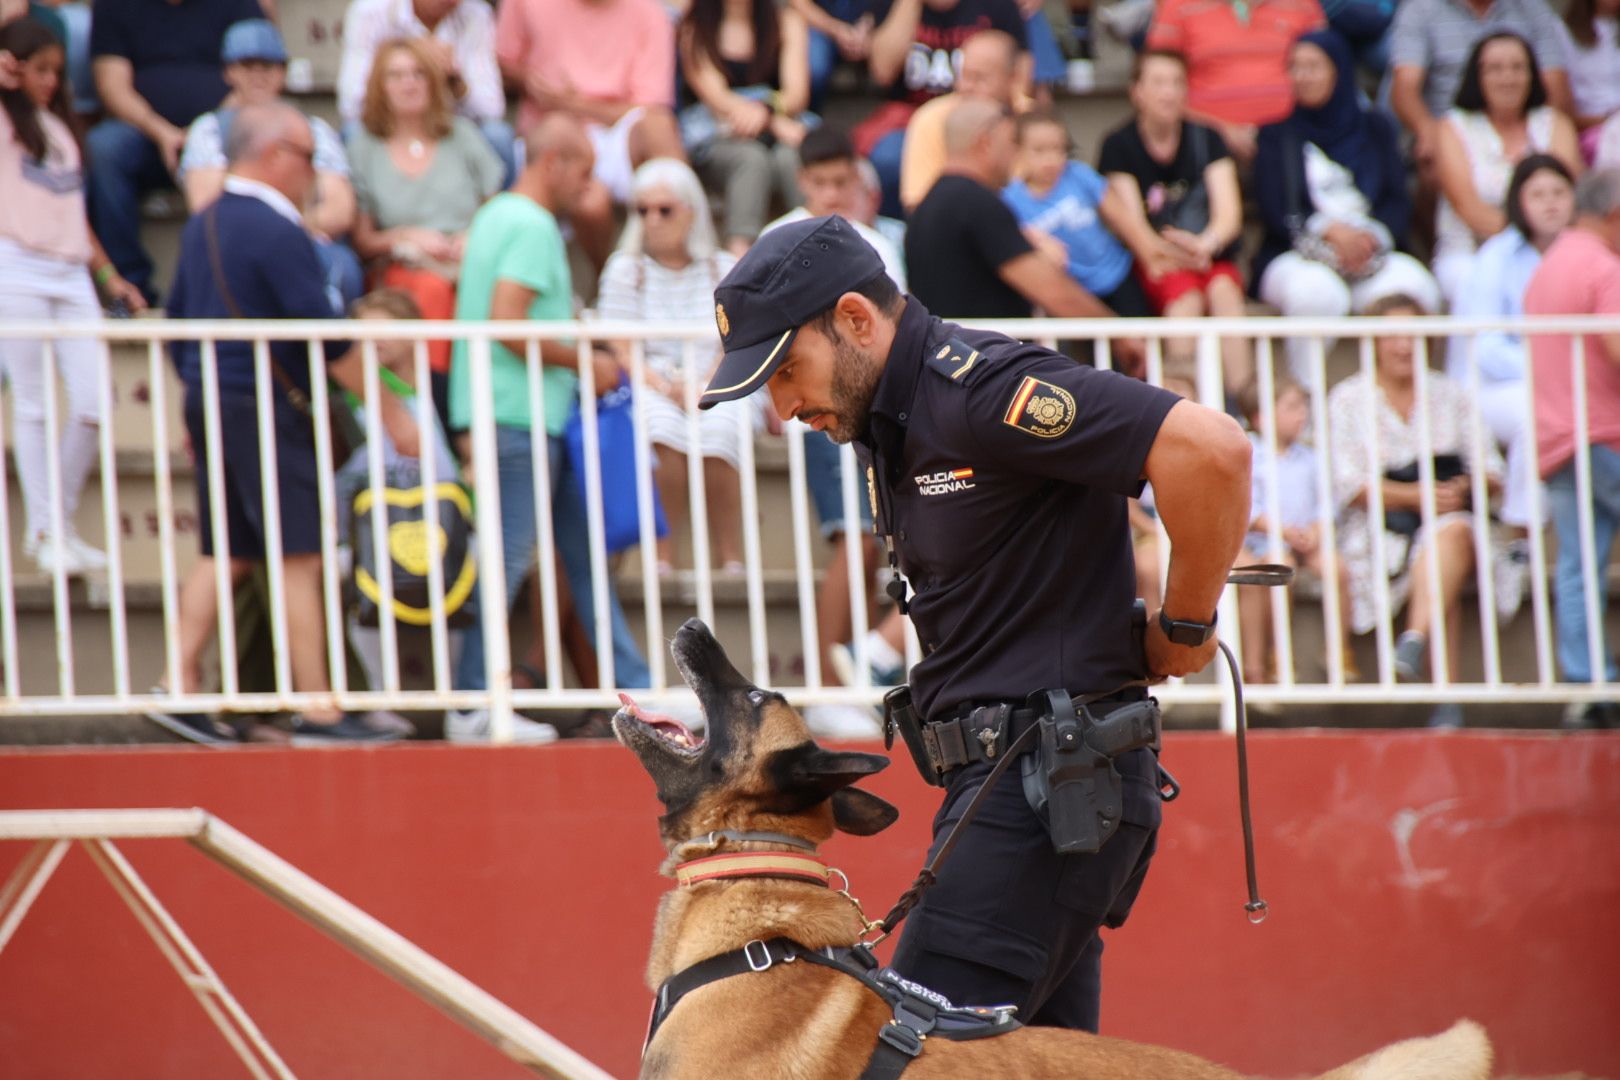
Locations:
(295, 396)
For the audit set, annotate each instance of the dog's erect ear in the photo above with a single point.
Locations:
(860, 813)
(806, 774)
(809, 766)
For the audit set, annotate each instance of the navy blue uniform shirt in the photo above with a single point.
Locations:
(1002, 471)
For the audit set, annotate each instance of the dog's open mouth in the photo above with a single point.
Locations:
(674, 733)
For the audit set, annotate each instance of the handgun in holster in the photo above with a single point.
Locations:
(900, 716)
(1070, 780)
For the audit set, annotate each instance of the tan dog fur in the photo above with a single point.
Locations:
(799, 1021)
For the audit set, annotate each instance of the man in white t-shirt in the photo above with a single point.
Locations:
(831, 184)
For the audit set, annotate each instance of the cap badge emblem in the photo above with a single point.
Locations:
(721, 321)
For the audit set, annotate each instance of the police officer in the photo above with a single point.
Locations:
(1001, 472)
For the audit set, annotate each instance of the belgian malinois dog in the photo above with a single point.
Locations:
(758, 771)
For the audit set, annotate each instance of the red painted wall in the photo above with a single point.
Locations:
(1413, 879)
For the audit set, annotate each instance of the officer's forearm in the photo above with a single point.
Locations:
(1199, 469)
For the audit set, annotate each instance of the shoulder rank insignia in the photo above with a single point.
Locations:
(1040, 408)
(954, 359)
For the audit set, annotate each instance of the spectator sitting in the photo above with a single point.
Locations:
(1443, 546)
(829, 182)
(1063, 200)
(967, 255)
(460, 34)
(247, 256)
(420, 174)
(914, 55)
(256, 70)
(516, 269)
(1580, 275)
(47, 255)
(838, 30)
(1591, 35)
(1431, 42)
(1540, 206)
(666, 268)
(157, 69)
(748, 64)
(1178, 208)
(1501, 115)
(990, 70)
(1292, 475)
(1331, 187)
(609, 64)
(1237, 60)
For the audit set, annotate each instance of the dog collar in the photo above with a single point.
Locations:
(760, 864)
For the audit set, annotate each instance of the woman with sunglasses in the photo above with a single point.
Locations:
(666, 267)
(48, 257)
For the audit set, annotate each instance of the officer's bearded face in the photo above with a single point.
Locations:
(828, 383)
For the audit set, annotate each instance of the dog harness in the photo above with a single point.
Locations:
(919, 1013)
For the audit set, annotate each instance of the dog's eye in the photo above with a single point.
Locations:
(757, 697)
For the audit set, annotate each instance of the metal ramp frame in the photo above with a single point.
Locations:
(53, 831)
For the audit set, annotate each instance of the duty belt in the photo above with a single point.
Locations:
(983, 733)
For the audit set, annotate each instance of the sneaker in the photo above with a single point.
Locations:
(842, 722)
(47, 554)
(474, 726)
(193, 727)
(90, 558)
(352, 727)
(1411, 657)
(1447, 716)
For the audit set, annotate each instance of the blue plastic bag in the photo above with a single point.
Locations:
(616, 432)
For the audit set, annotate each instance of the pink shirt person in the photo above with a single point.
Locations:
(609, 50)
(1579, 275)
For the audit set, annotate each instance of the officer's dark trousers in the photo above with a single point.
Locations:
(1010, 921)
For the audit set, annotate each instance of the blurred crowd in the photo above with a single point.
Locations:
(513, 161)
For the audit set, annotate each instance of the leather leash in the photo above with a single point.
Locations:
(1272, 575)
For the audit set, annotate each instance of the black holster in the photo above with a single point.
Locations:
(900, 717)
(1070, 780)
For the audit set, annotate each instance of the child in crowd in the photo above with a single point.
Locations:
(1061, 199)
(1292, 474)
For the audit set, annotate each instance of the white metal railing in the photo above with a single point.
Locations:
(54, 831)
(114, 691)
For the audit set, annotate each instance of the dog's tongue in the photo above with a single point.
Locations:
(662, 723)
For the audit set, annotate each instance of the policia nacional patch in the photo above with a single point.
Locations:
(1038, 407)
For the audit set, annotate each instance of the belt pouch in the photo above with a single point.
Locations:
(899, 715)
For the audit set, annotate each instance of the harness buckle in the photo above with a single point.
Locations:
(763, 964)
(902, 1038)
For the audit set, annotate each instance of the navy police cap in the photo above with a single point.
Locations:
(790, 275)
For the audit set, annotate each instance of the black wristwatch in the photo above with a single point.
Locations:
(1183, 632)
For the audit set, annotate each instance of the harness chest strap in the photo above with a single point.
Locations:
(918, 1012)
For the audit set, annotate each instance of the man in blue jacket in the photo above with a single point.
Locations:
(248, 257)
